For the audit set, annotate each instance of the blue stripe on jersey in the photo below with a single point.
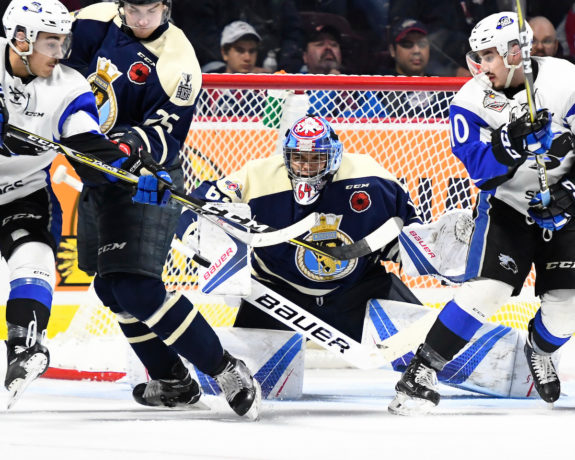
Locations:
(544, 332)
(476, 155)
(571, 111)
(459, 321)
(476, 247)
(31, 288)
(83, 103)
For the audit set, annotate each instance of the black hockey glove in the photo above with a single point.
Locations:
(513, 142)
(128, 142)
(560, 209)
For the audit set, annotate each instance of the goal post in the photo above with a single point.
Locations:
(402, 122)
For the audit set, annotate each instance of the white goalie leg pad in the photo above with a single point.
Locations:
(275, 358)
(33, 261)
(492, 363)
(229, 272)
(557, 312)
(482, 297)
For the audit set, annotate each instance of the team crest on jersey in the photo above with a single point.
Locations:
(494, 101)
(360, 201)
(101, 83)
(139, 72)
(321, 268)
(184, 89)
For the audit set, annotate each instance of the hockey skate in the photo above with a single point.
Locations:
(416, 390)
(25, 364)
(242, 391)
(180, 392)
(542, 370)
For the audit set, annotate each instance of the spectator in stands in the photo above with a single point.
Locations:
(545, 41)
(449, 24)
(277, 22)
(322, 55)
(239, 47)
(409, 48)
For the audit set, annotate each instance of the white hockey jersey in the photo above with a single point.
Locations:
(477, 110)
(59, 106)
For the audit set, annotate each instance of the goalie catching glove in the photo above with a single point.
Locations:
(559, 210)
(515, 141)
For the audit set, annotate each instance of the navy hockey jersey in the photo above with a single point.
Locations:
(150, 85)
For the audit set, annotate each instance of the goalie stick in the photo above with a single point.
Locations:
(327, 336)
(528, 74)
(263, 235)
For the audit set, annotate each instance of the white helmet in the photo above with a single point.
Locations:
(36, 16)
(499, 31)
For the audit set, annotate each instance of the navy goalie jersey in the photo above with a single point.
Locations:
(361, 198)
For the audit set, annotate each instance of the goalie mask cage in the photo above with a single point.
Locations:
(402, 122)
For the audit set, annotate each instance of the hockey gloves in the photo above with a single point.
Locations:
(515, 141)
(560, 209)
(154, 184)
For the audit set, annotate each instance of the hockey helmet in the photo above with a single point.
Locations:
(33, 17)
(165, 16)
(312, 155)
(499, 31)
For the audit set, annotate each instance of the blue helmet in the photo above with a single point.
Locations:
(313, 134)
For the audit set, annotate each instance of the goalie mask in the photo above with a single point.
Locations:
(312, 155)
(144, 14)
(25, 19)
(499, 31)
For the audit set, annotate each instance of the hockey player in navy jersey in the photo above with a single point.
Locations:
(146, 78)
(353, 195)
(492, 134)
(53, 101)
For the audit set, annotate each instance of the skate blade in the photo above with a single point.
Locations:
(403, 404)
(35, 366)
(254, 413)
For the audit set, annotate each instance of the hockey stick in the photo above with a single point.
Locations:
(528, 74)
(263, 235)
(327, 336)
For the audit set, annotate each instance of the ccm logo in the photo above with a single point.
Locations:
(299, 321)
(420, 241)
(218, 263)
(23, 215)
(111, 247)
(10, 187)
(560, 264)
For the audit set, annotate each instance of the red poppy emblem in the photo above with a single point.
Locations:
(139, 72)
(360, 201)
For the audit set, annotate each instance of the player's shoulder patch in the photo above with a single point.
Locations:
(104, 12)
(177, 67)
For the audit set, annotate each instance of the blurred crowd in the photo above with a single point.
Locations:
(372, 37)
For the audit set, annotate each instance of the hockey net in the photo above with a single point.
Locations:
(401, 122)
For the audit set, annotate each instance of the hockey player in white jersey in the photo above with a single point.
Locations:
(494, 138)
(55, 102)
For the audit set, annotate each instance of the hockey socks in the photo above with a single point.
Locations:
(543, 340)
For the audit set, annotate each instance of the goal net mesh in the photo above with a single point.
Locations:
(401, 122)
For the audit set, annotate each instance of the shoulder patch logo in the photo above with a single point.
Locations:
(139, 73)
(494, 101)
(360, 201)
(184, 89)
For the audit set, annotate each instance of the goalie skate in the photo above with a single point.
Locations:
(25, 364)
(181, 392)
(241, 390)
(416, 390)
(542, 370)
